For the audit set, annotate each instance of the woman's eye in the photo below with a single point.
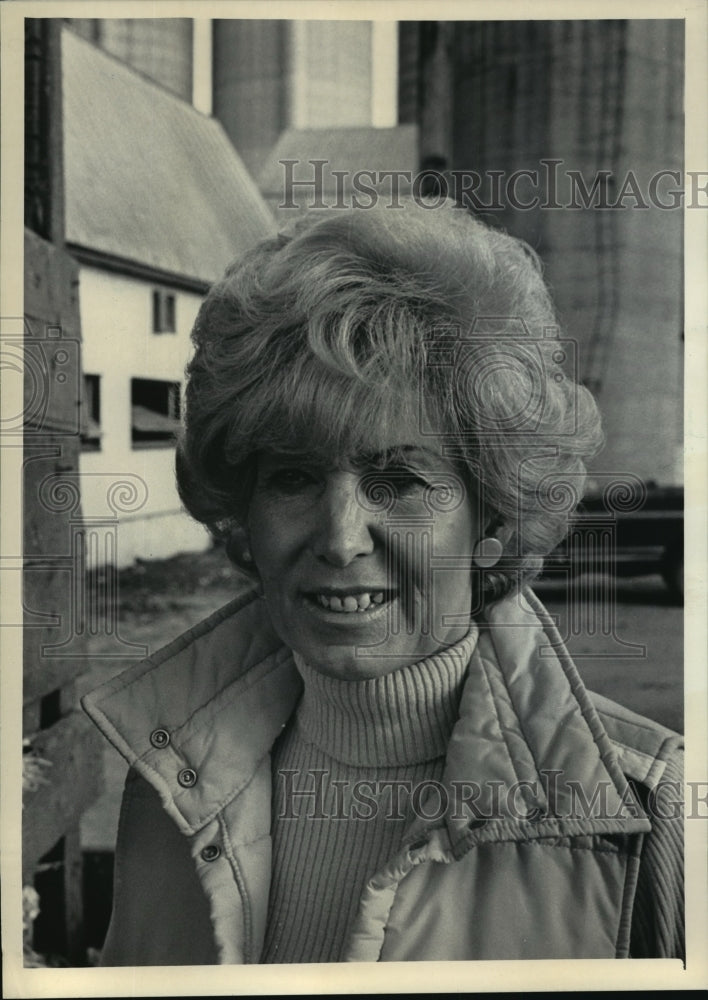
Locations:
(405, 481)
(289, 479)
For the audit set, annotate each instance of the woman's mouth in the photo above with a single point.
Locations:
(349, 602)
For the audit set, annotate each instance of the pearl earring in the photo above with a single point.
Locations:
(487, 552)
(246, 556)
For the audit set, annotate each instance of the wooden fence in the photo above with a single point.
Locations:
(54, 648)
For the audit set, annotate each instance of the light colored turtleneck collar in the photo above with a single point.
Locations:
(403, 717)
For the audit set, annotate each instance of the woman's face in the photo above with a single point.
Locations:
(365, 565)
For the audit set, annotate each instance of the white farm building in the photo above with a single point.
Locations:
(158, 203)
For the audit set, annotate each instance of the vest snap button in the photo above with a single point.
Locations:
(211, 852)
(187, 777)
(160, 738)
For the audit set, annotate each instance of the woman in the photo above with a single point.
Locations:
(382, 751)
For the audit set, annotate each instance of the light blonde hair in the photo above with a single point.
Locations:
(316, 337)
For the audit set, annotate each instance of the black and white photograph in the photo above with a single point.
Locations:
(353, 560)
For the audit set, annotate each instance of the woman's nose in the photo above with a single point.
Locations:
(342, 531)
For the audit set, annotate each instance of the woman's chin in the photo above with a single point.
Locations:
(350, 666)
(358, 663)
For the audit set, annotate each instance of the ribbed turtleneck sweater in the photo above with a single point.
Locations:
(357, 750)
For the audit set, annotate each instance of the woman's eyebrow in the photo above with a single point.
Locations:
(281, 457)
(397, 453)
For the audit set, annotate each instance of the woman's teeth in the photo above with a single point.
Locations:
(351, 603)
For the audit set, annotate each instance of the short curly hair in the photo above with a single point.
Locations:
(316, 336)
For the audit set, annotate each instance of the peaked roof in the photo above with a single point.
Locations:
(148, 178)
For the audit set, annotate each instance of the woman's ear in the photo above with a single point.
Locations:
(239, 551)
(504, 533)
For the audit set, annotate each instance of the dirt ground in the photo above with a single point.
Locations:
(630, 649)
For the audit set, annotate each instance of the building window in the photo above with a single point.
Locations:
(91, 413)
(155, 412)
(164, 315)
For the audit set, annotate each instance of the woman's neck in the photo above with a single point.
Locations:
(401, 717)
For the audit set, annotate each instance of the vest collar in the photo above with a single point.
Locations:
(222, 692)
(527, 725)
